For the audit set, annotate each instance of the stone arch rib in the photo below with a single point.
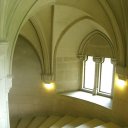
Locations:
(90, 36)
(44, 47)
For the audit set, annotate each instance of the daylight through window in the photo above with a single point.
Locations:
(98, 75)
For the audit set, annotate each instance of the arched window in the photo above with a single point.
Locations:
(99, 63)
(98, 75)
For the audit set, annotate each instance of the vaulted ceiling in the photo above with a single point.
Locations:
(50, 25)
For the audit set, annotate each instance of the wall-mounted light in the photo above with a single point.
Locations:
(49, 86)
(47, 82)
(121, 83)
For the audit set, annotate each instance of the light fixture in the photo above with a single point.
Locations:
(49, 86)
(47, 82)
(121, 83)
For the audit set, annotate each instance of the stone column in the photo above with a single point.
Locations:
(5, 84)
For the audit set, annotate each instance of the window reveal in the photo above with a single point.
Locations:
(98, 75)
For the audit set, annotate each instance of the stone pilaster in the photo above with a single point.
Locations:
(4, 87)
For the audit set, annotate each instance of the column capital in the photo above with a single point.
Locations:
(81, 57)
(98, 59)
(8, 82)
(48, 78)
(113, 61)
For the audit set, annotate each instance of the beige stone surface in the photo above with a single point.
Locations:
(44, 39)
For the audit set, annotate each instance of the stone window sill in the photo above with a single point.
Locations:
(99, 100)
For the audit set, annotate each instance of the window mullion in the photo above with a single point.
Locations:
(98, 62)
(83, 73)
(99, 82)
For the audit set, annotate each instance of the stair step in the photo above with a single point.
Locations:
(14, 122)
(54, 121)
(76, 122)
(49, 121)
(64, 120)
(91, 123)
(24, 122)
(108, 125)
(37, 121)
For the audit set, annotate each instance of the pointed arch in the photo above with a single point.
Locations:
(16, 23)
(86, 39)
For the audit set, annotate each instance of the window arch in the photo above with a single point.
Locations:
(99, 57)
(98, 75)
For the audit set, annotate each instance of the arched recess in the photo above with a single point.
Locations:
(33, 31)
(89, 25)
(96, 43)
(18, 18)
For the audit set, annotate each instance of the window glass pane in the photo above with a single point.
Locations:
(89, 73)
(106, 76)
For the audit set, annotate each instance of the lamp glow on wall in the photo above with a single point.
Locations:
(49, 86)
(48, 83)
(121, 82)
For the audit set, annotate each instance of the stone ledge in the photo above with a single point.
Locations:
(99, 100)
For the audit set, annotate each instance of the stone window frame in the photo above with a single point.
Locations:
(97, 78)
